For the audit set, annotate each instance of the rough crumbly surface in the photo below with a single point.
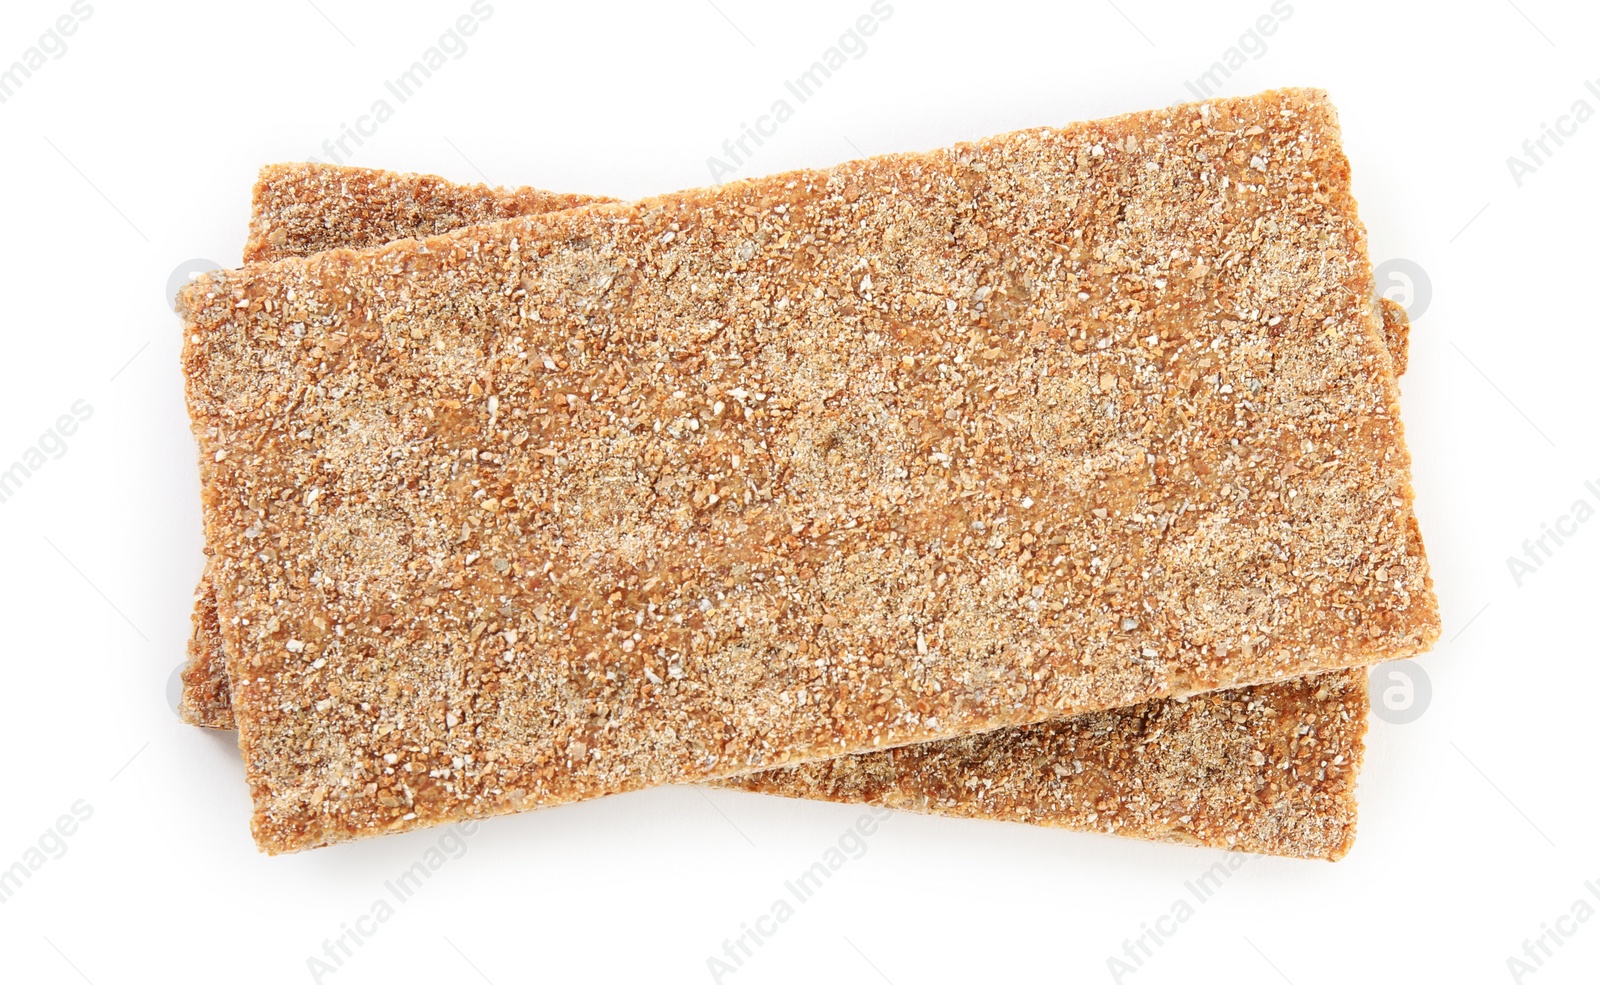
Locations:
(913, 447)
(205, 699)
(1396, 333)
(300, 209)
(1265, 769)
(1269, 769)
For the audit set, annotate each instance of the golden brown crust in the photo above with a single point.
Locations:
(1226, 500)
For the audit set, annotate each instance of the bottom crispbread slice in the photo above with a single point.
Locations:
(205, 699)
(1266, 769)
(1396, 333)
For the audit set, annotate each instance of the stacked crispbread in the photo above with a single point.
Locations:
(886, 471)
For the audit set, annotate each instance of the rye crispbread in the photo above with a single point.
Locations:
(1266, 769)
(932, 225)
(301, 209)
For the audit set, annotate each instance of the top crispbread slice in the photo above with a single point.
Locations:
(1058, 421)
(1268, 769)
(301, 209)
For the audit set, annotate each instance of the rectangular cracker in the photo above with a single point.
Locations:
(918, 604)
(1170, 770)
(301, 209)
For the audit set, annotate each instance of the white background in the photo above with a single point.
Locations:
(135, 150)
